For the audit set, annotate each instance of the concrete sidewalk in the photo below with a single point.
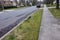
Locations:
(50, 29)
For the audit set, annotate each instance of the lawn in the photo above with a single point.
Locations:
(55, 12)
(50, 5)
(28, 30)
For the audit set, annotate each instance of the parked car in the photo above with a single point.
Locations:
(38, 6)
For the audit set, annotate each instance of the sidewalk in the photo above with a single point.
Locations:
(49, 29)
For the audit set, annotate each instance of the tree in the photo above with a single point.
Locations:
(28, 4)
(49, 1)
(16, 3)
(52, 1)
(34, 2)
(23, 2)
(19, 2)
(57, 4)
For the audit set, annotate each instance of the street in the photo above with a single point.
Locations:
(8, 20)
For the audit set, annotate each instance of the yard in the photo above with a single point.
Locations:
(55, 12)
(50, 5)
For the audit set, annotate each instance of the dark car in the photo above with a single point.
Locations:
(38, 6)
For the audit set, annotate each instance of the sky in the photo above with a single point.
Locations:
(12, 0)
(40, 0)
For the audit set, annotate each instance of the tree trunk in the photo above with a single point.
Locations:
(57, 4)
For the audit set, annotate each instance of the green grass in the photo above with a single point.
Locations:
(50, 5)
(28, 30)
(55, 12)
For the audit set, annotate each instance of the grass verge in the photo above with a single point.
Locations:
(55, 12)
(28, 30)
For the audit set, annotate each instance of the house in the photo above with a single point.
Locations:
(8, 3)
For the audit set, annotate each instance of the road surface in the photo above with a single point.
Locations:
(10, 19)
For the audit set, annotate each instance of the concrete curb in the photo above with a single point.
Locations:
(40, 25)
(16, 26)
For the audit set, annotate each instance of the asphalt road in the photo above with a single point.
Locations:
(10, 19)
